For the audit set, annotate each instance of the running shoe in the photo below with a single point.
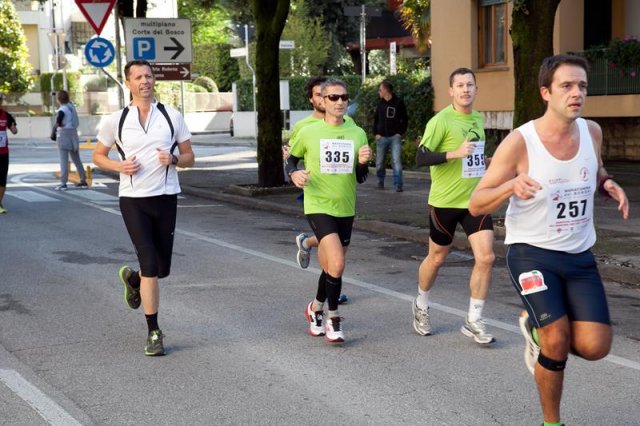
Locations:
(82, 185)
(131, 295)
(315, 319)
(531, 348)
(343, 299)
(2, 209)
(333, 330)
(477, 330)
(304, 254)
(421, 320)
(154, 346)
(60, 188)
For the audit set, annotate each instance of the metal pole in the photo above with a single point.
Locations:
(64, 71)
(363, 41)
(118, 58)
(253, 73)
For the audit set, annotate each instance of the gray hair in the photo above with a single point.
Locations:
(332, 82)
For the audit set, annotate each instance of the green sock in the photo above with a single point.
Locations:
(534, 336)
(553, 424)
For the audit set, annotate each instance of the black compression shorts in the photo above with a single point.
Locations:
(4, 169)
(443, 222)
(324, 224)
(151, 222)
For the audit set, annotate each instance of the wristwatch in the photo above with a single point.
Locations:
(174, 159)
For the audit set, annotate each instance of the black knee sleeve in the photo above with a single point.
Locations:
(551, 364)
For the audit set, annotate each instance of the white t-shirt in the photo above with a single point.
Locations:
(143, 142)
(560, 216)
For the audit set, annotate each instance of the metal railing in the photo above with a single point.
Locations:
(607, 79)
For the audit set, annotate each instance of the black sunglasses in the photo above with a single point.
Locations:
(334, 98)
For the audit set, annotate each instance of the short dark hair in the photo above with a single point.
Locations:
(63, 96)
(313, 82)
(330, 82)
(551, 63)
(387, 85)
(460, 71)
(135, 62)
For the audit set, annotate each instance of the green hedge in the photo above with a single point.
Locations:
(415, 89)
(73, 83)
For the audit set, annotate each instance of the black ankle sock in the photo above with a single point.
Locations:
(134, 280)
(152, 322)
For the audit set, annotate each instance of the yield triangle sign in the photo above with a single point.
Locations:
(96, 11)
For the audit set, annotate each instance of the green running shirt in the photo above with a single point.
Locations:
(330, 155)
(453, 182)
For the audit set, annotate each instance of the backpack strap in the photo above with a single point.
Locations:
(164, 112)
(125, 111)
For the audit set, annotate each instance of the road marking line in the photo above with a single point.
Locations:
(402, 296)
(41, 403)
(31, 196)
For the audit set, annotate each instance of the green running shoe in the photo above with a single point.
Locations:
(154, 346)
(131, 295)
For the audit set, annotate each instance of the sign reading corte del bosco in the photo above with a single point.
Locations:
(158, 40)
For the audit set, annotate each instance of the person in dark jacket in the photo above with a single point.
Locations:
(389, 125)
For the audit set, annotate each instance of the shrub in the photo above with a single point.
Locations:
(207, 83)
(73, 83)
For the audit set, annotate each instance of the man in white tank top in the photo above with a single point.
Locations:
(549, 169)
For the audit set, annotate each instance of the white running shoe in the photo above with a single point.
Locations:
(477, 330)
(531, 348)
(304, 255)
(421, 320)
(316, 328)
(333, 330)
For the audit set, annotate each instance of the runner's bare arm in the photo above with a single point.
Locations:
(506, 177)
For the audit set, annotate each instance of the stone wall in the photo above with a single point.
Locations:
(621, 138)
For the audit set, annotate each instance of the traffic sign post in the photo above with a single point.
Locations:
(99, 52)
(158, 40)
(96, 11)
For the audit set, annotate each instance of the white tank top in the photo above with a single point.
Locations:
(560, 216)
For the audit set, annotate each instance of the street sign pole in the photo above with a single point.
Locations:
(118, 78)
(363, 41)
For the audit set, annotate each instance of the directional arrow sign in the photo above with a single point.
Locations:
(99, 52)
(171, 72)
(158, 40)
(96, 11)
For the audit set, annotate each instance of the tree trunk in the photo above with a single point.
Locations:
(532, 36)
(270, 16)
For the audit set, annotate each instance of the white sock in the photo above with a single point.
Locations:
(304, 244)
(317, 306)
(423, 298)
(475, 309)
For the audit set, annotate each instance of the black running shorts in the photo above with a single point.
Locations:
(323, 225)
(443, 222)
(151, 222)
(552, 284)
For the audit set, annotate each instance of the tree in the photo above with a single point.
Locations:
(416, 17)
(270, 17)
(15, 71)
(311, 40)
(532, 36)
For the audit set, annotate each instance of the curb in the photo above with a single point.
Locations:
(608, 272)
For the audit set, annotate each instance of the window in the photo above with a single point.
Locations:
(492, 25)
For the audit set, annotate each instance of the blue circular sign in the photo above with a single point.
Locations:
(99, 52)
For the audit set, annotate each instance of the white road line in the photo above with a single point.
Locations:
(402, 296)
(41, 403)
(32, 196)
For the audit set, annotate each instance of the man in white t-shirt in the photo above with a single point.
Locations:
(549, 169)
(146, 134)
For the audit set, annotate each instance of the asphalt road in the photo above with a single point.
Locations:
(232, 310)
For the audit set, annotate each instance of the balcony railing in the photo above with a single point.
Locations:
(607, 79)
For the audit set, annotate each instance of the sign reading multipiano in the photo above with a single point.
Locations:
(158, 40)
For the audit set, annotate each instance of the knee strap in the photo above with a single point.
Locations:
(551, 364)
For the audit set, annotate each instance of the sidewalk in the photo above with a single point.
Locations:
(404, 215)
